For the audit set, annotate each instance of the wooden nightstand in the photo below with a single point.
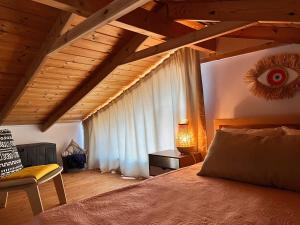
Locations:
(165, 161)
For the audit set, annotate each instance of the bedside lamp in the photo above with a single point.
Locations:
(184, 138)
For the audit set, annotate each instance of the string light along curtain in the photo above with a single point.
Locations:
(144, 119)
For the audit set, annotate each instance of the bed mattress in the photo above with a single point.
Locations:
(181, 197)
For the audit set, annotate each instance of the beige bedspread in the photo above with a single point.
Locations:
(181, 197)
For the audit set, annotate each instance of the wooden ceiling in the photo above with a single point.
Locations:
(60, 60)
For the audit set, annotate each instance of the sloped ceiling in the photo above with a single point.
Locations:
(24, 26)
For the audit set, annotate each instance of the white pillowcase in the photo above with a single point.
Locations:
(290, 131)
(277, 131)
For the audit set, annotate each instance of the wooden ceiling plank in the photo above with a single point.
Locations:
(26, 19)
(30, 7)
(103, 16)
(108, 66)
(205, 34)
(228, 10)
(35, 66)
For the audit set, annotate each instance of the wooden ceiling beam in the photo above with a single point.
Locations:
(246, 50)
(278, 34)
(240, 10)
(62, 23)
(154, 24)
(205, 34)
(93, 80)
(142, 21)
(111, 12)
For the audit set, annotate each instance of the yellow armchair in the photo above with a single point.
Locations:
(28, 179)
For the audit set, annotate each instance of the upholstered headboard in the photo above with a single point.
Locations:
(259, 122)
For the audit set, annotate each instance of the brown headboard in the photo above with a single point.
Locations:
(258, 122)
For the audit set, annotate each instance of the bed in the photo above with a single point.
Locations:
(182, 197)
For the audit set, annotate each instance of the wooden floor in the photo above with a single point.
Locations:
(79, 185)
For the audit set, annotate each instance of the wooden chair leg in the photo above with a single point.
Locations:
(3, 199)
(60, 190)
(35, 199)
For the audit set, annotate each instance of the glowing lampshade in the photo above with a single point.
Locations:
(184, 138)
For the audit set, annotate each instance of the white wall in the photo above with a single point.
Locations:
(61, 134)
(226, 94)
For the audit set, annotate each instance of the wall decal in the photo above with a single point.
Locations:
(275, 77)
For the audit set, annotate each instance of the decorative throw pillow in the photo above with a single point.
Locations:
(9, 157)
(290, 131)
(277, 131)
(269, 161)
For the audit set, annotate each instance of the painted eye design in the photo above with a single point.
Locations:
(275, 77)
(278, 76)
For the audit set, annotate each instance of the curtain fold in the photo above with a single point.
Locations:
(144, 118)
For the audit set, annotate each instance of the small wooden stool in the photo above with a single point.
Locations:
(30, 185)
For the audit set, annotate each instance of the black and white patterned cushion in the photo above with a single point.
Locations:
(9, 157)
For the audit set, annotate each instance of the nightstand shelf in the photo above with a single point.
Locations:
(165, 161)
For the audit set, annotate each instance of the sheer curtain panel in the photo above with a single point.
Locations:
(144, 118)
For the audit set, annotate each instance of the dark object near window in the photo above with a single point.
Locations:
(37, 154)
(74, 161)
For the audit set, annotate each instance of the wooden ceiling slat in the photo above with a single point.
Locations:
(133, 68)
(21, 30)
(119, 72)
(9, 38)
(68, 65)
(75, 59)
(112, 31)
(17, 47)
(16, 57)
(24, 19)
(10, 76)
(102, 38)
(64, 71)
(57, 76)
(43, 91)
(77, 51)
(10, 67)
(31, 7)
(60, 87)
(92, 45)
(47, 80)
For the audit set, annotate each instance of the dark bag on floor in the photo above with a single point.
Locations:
(75, 161)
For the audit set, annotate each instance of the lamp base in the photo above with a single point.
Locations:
(185, 150)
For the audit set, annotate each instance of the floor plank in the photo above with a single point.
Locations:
(78, 185)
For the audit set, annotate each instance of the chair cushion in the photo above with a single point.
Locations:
(36, 172)
(10, 161)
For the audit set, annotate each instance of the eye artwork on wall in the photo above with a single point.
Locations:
(275, 77)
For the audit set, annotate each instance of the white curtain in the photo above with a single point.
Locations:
(144, 119)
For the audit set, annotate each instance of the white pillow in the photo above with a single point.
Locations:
(277, 131)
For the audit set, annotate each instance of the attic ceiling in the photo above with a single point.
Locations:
(93, 62)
